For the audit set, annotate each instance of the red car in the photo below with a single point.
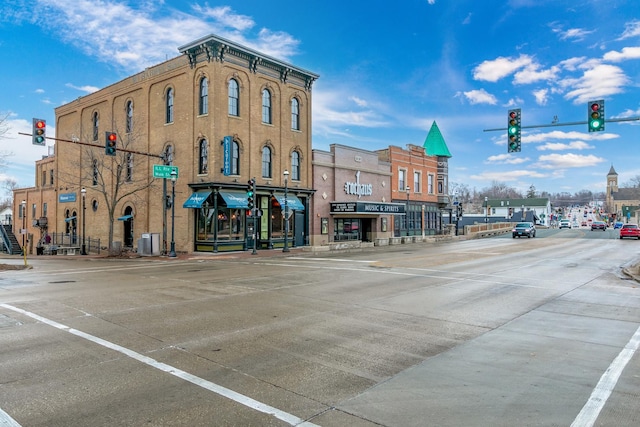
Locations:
(630, 230)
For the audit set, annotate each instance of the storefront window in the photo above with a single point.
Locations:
(230, 224)
(346, 229)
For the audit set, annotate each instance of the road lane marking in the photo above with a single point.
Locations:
(208, 385)
(590, 411)
(7, 421)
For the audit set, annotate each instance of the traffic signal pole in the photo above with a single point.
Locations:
(626, 119)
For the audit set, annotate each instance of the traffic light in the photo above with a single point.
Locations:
(251, 186)
(110, 141)
(39, 132)
(514, 143)
(596, 115)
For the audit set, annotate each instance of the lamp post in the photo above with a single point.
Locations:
(84, 220)
(407, 215)
(286, 212)
(457, 204)
(24, 230)
(174, 176)
(486, 210)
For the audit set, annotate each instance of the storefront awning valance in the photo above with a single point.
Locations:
(235, 199)
(71, 218)
(293, 202)
(196, 200)
(125, 217)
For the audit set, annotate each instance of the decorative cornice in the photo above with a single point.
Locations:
(214, 48)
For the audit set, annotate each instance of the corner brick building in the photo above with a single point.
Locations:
(220, 113)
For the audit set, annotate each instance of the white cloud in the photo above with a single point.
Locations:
(577, 34)
(506, 159)
(480, 97)
(86, 88)
(632, 29)
(507, 176)
(569, 160)
(627, 53)
(559, 146)
(541, 96)
(494, 70)
(598, 81)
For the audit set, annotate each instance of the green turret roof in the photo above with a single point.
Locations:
(434, 145)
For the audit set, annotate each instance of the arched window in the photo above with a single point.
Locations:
(95, 121)
(129, 124)
(295, 166)
(266, 106)
(204, 96)
(204, 157)
(235, 158)
(169, 118)
(234, 98)
(266, 162)
(295, 114)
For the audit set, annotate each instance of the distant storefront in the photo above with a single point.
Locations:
(352, 196)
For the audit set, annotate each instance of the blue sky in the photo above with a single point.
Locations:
(387, 71)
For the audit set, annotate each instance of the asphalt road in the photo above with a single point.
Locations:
(492, 332)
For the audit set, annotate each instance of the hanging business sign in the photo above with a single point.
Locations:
(226, 155)
(66, 197)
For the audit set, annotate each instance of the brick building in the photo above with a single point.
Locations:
(220, 113)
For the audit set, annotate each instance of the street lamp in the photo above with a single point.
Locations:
(486, 209)
(407, 215)
(84, 220)
(174, 176)
(24, 230)
(457, 204)
(286, 212)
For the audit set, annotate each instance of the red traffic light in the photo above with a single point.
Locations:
(512, 114)
(40, 124)
(595, 106)
(112, 137)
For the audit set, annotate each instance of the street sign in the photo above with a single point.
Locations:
(164, 171)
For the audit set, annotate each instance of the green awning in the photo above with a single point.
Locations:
(293, 202)
(196, 199)
(235, 199)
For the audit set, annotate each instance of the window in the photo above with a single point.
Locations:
(295, 166)
(44, 209)
(295, 114)
(94, 122)
(204, 96)
(168, 155)
(235, 158)
(51, 177)
(33, 210)
(44, 178)
(169, 118)
(234, 98)
(204, 157)
(129, 176)
(95, 172)
(266, 106)
(266, 162)
(402, 179)
(430, 184)
(129, 123)
(416, 182)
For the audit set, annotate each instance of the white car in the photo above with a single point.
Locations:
(565, 223)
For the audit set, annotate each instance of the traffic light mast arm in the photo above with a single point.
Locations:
(97, 146)
(625, 119)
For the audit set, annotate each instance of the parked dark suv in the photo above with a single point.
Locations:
(524, 229)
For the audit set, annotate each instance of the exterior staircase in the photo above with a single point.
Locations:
(10, 241)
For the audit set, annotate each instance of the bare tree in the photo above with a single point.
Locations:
(115, 178)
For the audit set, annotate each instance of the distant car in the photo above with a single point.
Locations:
(630, 230)
(617, 225)
(565, 223)
(583, 224)
(524, 229)
(598, 225)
